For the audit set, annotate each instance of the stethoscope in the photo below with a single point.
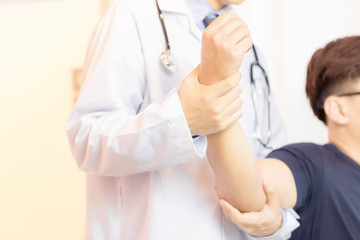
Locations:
(165, 58)
(264, 142)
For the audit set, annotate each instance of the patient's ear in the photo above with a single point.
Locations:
(335, 110)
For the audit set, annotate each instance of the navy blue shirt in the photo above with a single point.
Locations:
(328, 191)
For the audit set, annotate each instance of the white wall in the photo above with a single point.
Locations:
(288, 32)
(41, 190)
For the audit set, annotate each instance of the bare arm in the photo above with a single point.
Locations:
(224, 44)
(281, 178)
(238, 177)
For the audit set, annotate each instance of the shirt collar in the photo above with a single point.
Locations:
(196, 10)
(199, 9)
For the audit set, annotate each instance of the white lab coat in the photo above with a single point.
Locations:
(146, 178)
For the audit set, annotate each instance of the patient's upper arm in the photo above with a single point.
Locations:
(279, 176)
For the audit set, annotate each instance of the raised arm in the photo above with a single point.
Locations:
(239, 178)
(224, 44)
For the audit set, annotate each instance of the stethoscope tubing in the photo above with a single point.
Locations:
(165, 58)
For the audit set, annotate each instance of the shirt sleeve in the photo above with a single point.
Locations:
(307, 168)
(289, 224)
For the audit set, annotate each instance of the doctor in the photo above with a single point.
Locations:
(138, 128)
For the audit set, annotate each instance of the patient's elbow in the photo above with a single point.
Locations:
(254, 201)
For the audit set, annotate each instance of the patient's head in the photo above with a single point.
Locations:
(333, 70)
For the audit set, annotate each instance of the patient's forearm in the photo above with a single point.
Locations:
(238, 179)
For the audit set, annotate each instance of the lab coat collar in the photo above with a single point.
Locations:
(178, 6)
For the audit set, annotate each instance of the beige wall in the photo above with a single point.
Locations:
(41, 190)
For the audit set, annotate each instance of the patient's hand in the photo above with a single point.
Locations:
(260, 224)
(224, 43)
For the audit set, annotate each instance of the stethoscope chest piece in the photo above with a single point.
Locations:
(166, 59)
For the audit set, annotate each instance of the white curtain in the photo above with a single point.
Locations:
(288, 32)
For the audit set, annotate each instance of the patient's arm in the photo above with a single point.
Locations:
(239, 176)
(279, 175)
(239, 180)
(223, 45)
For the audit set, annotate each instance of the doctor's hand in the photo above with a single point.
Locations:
(224, 44)
(210, 109)
(260, 224)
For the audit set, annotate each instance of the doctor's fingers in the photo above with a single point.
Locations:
(225, 116)
(247, 222)
(254, 223)
(227, 99)
(232, 214)
(223, 87)
(233, 112)
(228, 108)
(272, 199)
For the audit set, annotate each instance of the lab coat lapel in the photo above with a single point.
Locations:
(179, 6)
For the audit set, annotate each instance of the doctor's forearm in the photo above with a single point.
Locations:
(238, 179)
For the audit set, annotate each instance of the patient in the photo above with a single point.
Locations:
(321, 182)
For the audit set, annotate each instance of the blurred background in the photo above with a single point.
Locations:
(42, 49)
